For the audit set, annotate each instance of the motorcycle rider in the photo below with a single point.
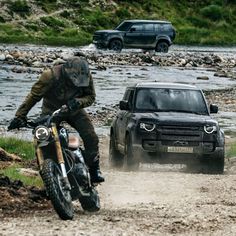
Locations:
(70, 83)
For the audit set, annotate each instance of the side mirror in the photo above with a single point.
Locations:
(213, 108)
(124, 105)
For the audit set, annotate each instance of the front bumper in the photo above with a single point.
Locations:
(156, 152)
(100, 42)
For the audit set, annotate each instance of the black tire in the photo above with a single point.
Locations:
(162, 47)
(214, 165)
(131, 162)
(91, 203)
(116, 159)
(116, 45)
(60, 198)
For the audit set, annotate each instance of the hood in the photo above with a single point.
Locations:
(106, 31)
(177, 118)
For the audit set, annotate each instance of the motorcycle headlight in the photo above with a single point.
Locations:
(209, 129)
(42, 133)
(149, 127)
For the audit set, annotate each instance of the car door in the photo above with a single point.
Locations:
(149, 36)
(134, 36)
(123, 118)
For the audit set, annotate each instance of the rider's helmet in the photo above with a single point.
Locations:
(76, 70)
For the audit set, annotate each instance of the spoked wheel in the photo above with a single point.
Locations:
(116, 45)
(131, 162)
(162, 47)
(55, 187)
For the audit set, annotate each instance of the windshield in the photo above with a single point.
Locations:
(176, 100)
(123, 26)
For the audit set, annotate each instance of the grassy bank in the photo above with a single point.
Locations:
(72, 22)
(25, 150)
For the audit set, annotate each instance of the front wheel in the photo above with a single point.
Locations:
(116, 45)
(131, 161)
(116, 159)
(214, 165)
(54, 184)
(162, 47)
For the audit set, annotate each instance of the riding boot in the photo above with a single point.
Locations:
(95, 173)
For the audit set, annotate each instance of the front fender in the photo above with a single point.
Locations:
(112, 37)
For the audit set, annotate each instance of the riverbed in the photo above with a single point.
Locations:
(110, 80)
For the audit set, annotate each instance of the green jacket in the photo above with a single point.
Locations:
(56, 91)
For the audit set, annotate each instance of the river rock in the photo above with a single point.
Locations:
(37, 64)
(9, 57)
(16, 54)
(2, 57)
(203, 78)
(220, 74)
(58, 61)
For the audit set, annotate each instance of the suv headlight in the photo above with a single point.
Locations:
(147, 126)
(42, 133)
(209, 129)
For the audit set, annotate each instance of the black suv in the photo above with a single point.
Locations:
(144, 34)
(166, 123)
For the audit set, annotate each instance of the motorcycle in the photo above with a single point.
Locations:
(62, 166)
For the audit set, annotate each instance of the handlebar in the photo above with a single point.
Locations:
(47, 119)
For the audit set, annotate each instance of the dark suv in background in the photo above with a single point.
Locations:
(166, 123)
(143, 34)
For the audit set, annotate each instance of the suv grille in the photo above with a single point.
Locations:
(170, 134)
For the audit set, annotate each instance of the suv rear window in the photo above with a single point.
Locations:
(176, 100)
(148, 27)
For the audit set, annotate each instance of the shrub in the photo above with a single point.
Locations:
(19, 6)
(198, 22)
(52, 22)
(2, 20)
(70, 32)
(213, 12)
(65, 14)
(123, 13)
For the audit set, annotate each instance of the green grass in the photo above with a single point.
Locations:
(231, 150)
(208, 22)
(13, 173)
(24, 149)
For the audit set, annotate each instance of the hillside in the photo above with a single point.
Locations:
(72, 22)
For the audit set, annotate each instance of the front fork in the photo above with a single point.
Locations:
(60, 157)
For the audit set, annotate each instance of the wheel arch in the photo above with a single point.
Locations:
(163, 40)
(115, 38)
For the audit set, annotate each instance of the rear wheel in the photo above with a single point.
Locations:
(131, 162)
(116, 45)
(116, 159)
(162, 47)
(55, 187)
(91, 202)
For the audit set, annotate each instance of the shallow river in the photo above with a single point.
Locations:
(111, 83)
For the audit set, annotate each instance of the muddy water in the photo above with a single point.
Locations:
(111, 83)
